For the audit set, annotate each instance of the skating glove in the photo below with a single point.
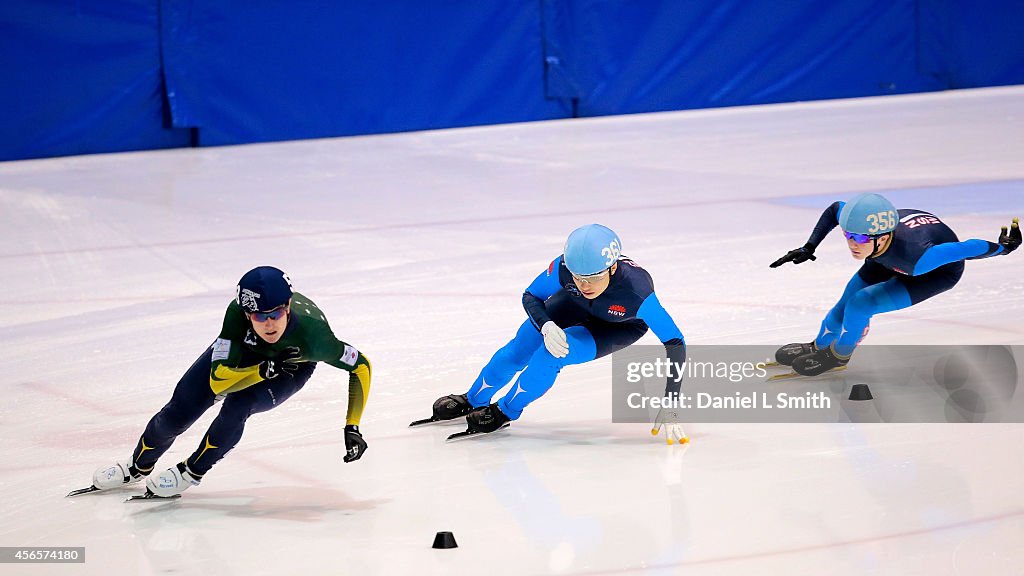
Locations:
(1010, 241)
(668, 420)
(284, 365)
(354, 443)
(798, 256)
(554, 339)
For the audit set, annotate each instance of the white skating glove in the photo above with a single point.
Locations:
(668, 420)
(554, 339)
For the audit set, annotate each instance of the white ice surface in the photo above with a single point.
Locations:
(117, 269)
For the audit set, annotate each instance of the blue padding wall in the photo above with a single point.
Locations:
(311, 69)
(627, 57)
(966, 44)
(79, 77)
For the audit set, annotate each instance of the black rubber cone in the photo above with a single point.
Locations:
(444, 540)
(860, 392)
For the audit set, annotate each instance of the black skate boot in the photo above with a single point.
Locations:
(818, 362)
(790, 352)
(451, 406)
(486, 419)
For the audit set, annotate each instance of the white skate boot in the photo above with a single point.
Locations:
(122, 473)
(172, 481)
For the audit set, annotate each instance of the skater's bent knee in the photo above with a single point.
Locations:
(863, 303)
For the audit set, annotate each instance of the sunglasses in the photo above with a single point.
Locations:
(274, 314)
(590, 278)
(859, 238)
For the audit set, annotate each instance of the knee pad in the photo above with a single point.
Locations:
(516, 353)
(234, 411)
(863, 303)
(544, 360)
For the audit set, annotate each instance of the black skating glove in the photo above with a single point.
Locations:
(798, 256)
(1010, 241)
(354, 443)
(284, 366)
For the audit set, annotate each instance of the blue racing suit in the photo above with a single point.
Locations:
(923, 258)
(618, 317)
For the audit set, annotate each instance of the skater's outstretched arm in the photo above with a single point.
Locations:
(345, 356)
(973, 249)
(665, 328)
(358, 392)
(829, 219)
(359, 373)
(826, 223)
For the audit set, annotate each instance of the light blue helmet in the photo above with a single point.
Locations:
(869, 214)
(591, 249)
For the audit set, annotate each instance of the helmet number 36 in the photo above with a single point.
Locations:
(611, 252)
(881, 221)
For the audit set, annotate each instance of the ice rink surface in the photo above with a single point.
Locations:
(117, 270)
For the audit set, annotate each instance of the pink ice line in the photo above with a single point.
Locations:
(241, 452)
(428, 224)
(407, 433)
(64, 395)
(810, 548)
(220, 297)
(280, 470)
(1005, 328)
(381, 227)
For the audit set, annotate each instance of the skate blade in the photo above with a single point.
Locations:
(791, 375)
(150, 496)
(432, 420)
(470, 433)
(81, 491)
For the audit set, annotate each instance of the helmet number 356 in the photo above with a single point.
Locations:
(611, 252)
(881, 221)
